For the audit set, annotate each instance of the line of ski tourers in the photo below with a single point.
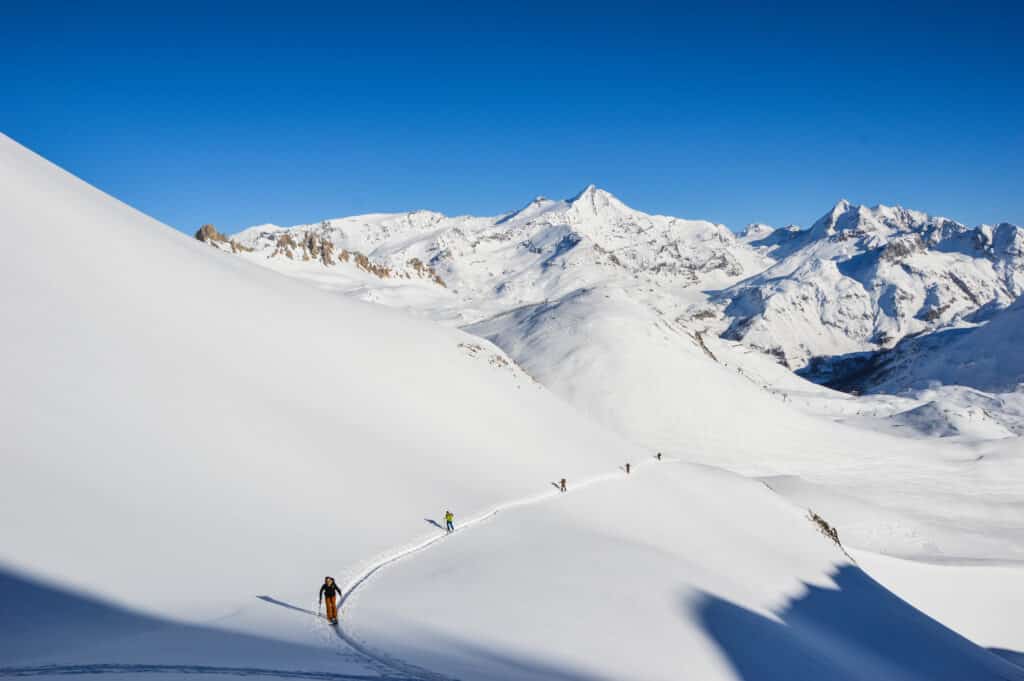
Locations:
(330, 592)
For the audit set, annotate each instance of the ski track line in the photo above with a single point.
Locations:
(382, 662)
(78, 669)
(409, 550)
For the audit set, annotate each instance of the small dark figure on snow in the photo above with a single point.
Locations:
(331, 591)
(449, 521)
(627, 469)
(561, 485)
(659, 456)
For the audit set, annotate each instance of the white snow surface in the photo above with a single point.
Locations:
(191, 443)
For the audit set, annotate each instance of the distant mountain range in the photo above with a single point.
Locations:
(862, 279)
(829, 301)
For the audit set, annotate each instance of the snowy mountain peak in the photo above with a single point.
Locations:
(589, 190)
(594, 201)
(877, 224)
(756, 230)
(831, 222)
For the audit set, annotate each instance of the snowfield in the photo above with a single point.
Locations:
(191, 442)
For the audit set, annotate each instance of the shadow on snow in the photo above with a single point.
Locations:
(46, 630)
(856, 631)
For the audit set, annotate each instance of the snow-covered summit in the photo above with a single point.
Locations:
(877, 224)
(594, 202)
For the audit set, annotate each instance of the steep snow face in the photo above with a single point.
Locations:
(987, 357)
(861, 279)
(464, 269)
(769, 241)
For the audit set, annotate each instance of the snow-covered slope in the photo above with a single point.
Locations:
(861, 279)
(699, 399)
(607, 569)
(987, 357)
(191, 442)
(651, 380)
(184, 431)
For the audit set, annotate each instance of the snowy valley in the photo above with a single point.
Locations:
(231, 417)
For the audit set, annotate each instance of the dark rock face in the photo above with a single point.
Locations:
(426, 271)
(208, 233)
(285, 246)
(901, 248)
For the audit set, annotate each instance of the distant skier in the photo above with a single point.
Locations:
(331, 591)
(659, 456)
(449, 521)
(627, 469)
(561, 485)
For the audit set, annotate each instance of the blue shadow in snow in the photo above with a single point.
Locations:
(42, 623)
(283, 604)
(858, 631)
(1013, 656)
(36, 619)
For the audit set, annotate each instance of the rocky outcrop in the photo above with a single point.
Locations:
(313, 245)
(285, 246)
(208, 234)
(902, 248)
(367, 265)
(523, 256)
(425, 271)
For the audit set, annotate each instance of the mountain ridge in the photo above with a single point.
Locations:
(860, 278)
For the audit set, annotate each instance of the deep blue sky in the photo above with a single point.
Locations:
(293, 112)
